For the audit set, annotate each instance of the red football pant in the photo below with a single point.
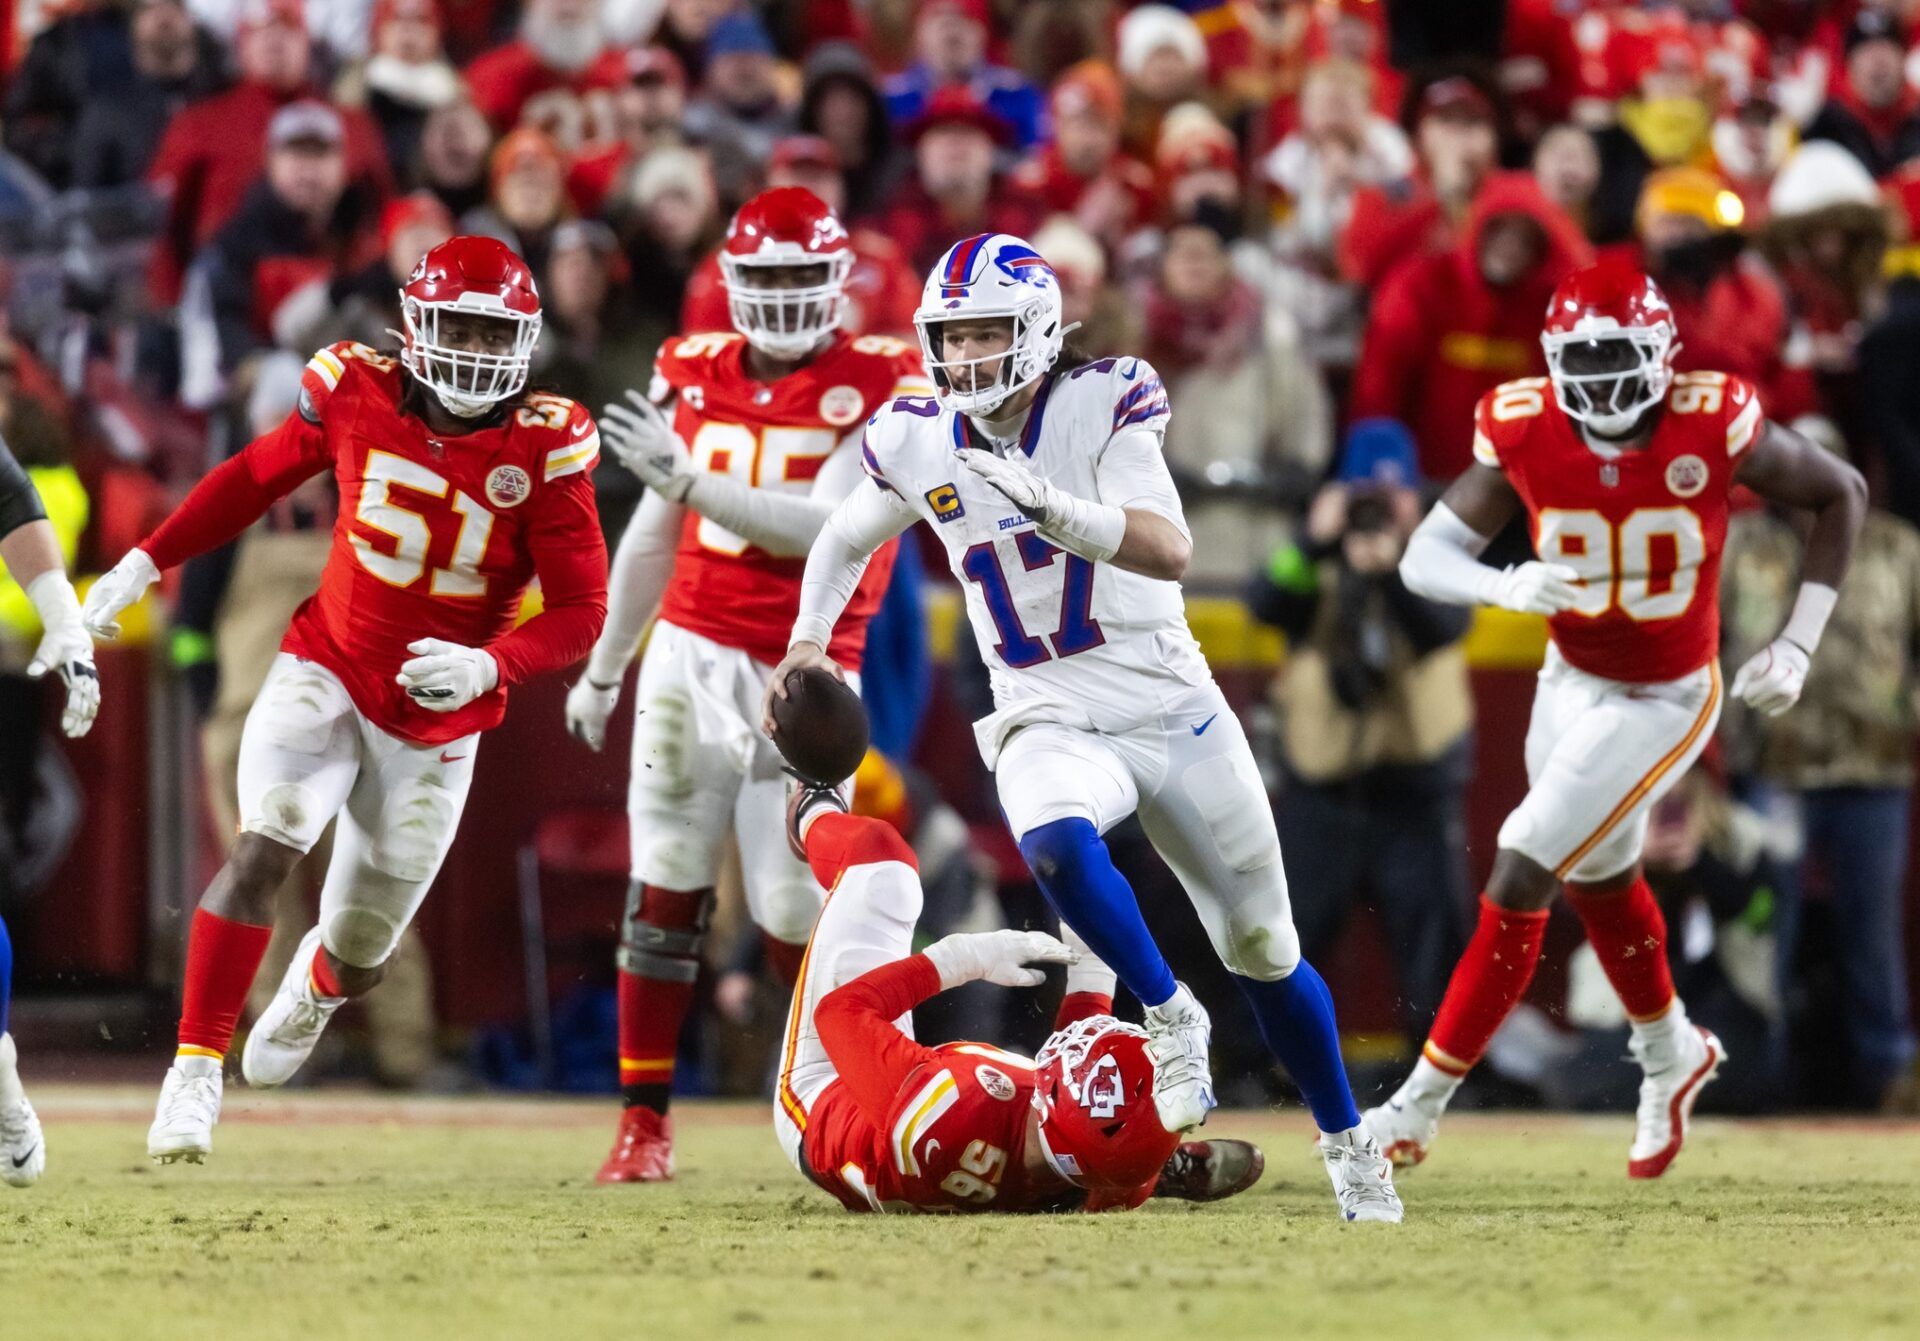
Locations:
(222, 958)
(1629, 937)
(1487, 984)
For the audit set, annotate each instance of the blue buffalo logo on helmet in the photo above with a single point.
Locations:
(989, 277)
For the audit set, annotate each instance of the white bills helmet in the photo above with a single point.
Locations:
(985, 276)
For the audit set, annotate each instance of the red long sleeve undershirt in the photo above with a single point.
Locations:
(856, 1024)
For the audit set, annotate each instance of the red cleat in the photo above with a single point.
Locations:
(643, 1151)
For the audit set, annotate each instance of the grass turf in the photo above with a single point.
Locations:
(344, 1217)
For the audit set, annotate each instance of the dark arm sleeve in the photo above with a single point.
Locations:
(19, 500)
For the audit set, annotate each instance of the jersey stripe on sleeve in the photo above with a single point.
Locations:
(922, 1111)
(574, 457)
(1141, 403)
(1744, 428)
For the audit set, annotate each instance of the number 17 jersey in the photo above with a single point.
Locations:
(1643, 528)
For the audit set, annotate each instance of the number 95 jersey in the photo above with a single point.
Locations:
(1643, 528)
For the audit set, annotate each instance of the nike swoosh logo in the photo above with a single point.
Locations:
(21, 1163)
(446, 758)
(1201, 729)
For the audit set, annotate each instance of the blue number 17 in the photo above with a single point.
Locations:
(1078, 630)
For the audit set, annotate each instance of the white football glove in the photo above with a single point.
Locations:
(1536, 588)
(1029, 493)
(1773, 677)
(115, 590)
(643, 440)
(588, 707)
(997, 957)
(445, 677)
(65, 647)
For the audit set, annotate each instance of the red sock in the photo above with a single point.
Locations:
(1078, 1006)
(1487, 983)
(222, 957)
(1629, 936)
(655, 992)
(836, 841)
(784, 957)
(324, 983)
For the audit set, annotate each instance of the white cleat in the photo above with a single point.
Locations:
(189, 1106)
(1179, 1037)
(1676, 1072)
(283, 1037)
(1403, 1128)
(1362, 1177)
(23, 1147)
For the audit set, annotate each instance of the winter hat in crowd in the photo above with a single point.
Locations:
(1150, 27)
(1817, 176)
(1380, 451)
(739, 34)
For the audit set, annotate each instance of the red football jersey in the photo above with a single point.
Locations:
(771, 435)
(436, 537)
(1643, 528)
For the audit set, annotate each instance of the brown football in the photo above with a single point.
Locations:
(820, 726)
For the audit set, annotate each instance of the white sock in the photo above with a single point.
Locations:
(1663, 1029)
(1354, 1137)
(10, 1089)
(1429, 1088)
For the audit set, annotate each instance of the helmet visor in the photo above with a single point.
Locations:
(1608, 379)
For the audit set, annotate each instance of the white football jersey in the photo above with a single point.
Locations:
(1063, 638)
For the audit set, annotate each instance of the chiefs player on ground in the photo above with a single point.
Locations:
(456, 490)
(1624, 469)
(885, 1124)
(763, 443)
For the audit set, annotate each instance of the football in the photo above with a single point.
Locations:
(820, 726)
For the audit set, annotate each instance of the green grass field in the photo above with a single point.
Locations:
(337, 1218)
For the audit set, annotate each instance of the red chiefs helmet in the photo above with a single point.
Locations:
(1609, 345)
(1093, 1090)
(474, 277)
(785, 263)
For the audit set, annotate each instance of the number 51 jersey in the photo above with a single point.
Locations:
(1643, 528)
(1064, 639)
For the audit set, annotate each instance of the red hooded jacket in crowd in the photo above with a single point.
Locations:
(503, 81)
(215, 149)
(1439, 336)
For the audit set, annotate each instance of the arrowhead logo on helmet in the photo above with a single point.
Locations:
(1093, 1091)
(470, 365)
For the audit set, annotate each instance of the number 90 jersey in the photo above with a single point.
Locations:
(1643, 528)
(770, 435)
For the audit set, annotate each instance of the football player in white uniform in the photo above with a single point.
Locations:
(1047, 486)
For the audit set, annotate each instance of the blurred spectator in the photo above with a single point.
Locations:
(1666, 122)
(882, 289)
(954, 190)
(1082, 171)
(454, 144)
(1163, 61)
(647, 113)
(740, 111)
(842, 104)
(950, 52)
(1448, 327)
(1889, 393)
(684, 27)
(668, 219)
(1826, 236)
(1845, 757)
(1376, 718)
(529, 199)
(365, 302)
(1265, 431)
(118, 129)
(1105, 320)
(212, 152)
(295, 230)
(1727, 308)
(405, 76)
(1750, 142)
(1872, 113)
(542, 76)
(1198, 162)
(1455, 148)
(1567, 166)
(1341, 145)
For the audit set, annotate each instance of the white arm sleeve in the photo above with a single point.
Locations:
(642, 563)
(783, 524)
(865, 520)
(1133, 474)
(1442, 562)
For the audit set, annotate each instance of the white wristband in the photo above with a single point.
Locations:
(811, 629)
(1810, 614)
(53, 597)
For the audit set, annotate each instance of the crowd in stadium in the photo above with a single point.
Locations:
(1331, 225)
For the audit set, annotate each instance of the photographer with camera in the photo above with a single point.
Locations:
(1375, 721)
